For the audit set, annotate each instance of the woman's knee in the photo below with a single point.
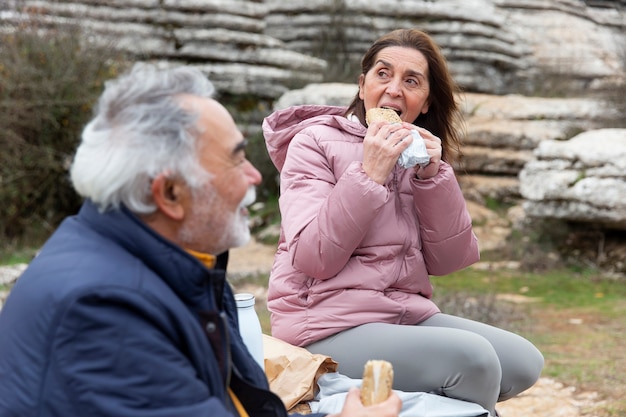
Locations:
(479, 361)
(523, 373)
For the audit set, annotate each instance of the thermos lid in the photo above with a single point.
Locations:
(244, 299)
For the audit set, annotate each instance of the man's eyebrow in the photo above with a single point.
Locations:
(240, 146)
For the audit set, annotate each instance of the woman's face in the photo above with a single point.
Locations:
(398, 80)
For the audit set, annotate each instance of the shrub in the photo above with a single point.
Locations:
(49, 80)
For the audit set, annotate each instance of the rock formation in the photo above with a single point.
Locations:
(496, 47)
(224, 38)
(266, 47)
(582, 179)
(551, 150)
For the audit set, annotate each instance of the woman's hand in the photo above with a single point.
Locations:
(382, 146)
(354, 408)
(434, 150)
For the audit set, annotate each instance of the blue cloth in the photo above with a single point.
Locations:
(110, 319)
(334, 388)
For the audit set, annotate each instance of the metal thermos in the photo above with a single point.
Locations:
(250, 326)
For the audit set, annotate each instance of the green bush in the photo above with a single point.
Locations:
(49, 80)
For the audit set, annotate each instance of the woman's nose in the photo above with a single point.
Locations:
(394, 88)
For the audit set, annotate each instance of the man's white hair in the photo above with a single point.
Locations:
(139, 131)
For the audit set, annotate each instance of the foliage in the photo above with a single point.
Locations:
(49, 81)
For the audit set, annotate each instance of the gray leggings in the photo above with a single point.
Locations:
(446, 355)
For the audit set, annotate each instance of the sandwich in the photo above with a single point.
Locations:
(416, 153)
(377, 382)
(378, 114)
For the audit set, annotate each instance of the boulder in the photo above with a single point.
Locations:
(582, 179)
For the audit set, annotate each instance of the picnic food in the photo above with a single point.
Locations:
(377, 114)
(416, 153)
(377, 382)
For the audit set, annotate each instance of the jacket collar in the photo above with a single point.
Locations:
(187, 276)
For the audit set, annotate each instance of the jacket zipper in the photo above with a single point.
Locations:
(228, 354)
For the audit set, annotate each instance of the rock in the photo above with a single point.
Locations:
(8, 275)
(330, 94)
(223, 38)
(582, 179)
(497, 47)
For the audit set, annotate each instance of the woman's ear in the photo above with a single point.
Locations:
(168, 195)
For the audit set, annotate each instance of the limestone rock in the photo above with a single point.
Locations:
(532, 47)
(224, 38)
(582, 179)
(498, 47)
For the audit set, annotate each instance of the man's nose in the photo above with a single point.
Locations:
(253, 174)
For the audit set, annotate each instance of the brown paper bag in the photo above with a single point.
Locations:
(293, 371)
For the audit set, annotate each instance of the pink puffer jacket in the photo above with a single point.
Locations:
(352, 251)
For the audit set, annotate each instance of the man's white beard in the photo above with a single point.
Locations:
(210, 229)
(240, 223)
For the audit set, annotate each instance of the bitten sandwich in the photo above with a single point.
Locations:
(377, 114)
(416, 153)
(377, 382)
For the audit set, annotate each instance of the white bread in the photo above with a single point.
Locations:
(377, 114)
(377, 382)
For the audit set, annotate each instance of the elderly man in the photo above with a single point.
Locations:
(126, 310)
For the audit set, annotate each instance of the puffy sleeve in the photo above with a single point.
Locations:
(325, 214)
(448, 240)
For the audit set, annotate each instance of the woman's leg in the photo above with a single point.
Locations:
(456, 363)
(520, 361)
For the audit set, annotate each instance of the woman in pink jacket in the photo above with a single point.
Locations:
(361, 234)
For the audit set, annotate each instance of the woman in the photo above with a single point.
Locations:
(360, 235)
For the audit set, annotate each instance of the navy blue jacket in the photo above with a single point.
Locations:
(110, 319)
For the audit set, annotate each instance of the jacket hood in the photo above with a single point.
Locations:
(281, 126)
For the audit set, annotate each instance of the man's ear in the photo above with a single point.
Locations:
(167, 194)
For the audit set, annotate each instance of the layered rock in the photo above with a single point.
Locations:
(494, 47)
(269, 49)
(224, 38)
(582, 179)
(265, 47)
(503, 131)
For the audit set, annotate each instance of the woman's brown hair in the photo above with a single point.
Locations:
(444, 117)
